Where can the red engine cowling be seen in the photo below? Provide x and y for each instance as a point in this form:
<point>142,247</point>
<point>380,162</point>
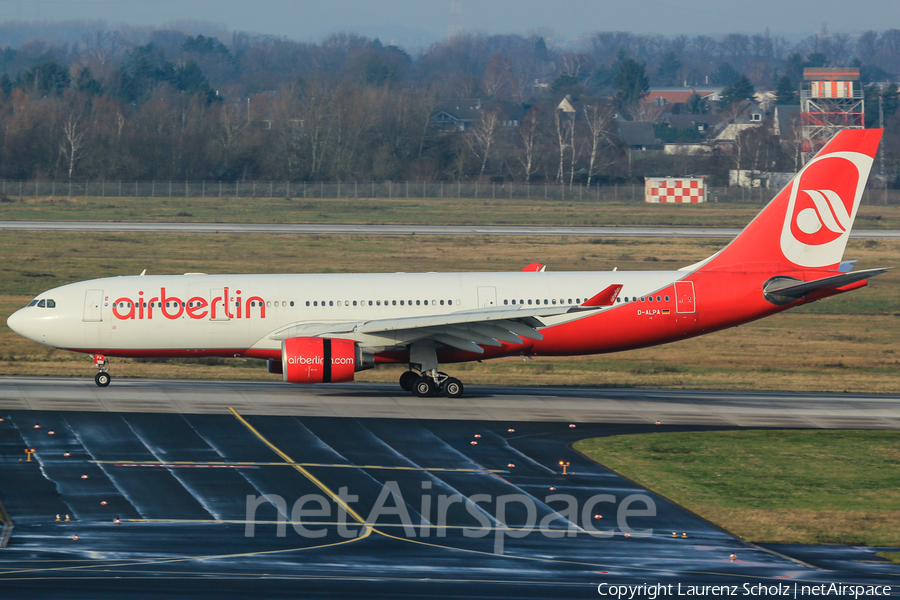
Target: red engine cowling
<point>321,360</point>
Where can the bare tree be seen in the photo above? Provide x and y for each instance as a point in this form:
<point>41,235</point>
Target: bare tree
<point>72,145</point>
<point>498,80</point>
<point>528,133</point>
<point>564,119</point>
<point>598,118</point>
<point>482,136</point>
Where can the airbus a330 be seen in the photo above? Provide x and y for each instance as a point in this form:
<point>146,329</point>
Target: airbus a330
<point>324,328</point>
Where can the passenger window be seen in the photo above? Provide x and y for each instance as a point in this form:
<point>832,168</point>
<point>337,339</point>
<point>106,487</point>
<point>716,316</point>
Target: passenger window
<point>649,298</point>
<point>331,303</point>
<point>667,298</point>
<point>292,302</point>
<point>393,303</point>
<point>657,299</point>
<point>529,302</point>
<point>442,302</point>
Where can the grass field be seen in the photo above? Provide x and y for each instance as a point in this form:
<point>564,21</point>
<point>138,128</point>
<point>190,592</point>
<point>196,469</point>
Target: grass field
<point>847,343</point>
<point>425,211</point>
<point>809,487</point>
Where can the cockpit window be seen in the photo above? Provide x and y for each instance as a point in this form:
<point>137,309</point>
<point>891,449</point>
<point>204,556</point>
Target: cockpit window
<point>51,303</point>
<point>33,303</point>
<point>42,304</point>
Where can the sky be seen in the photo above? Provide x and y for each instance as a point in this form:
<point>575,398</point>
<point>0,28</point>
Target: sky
<point>412,23</point>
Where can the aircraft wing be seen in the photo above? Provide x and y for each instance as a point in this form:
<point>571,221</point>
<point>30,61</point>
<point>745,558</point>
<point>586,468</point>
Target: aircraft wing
<point>464,330</point>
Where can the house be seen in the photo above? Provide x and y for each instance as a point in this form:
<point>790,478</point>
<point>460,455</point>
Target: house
<point>701,123</point>
<point>787,120</point>
<point>665,96</point>
<point>458,115</point>
<point>638,135</point>
<point>744,115</point>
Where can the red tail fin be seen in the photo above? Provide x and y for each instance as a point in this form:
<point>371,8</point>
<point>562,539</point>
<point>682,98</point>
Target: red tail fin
<point>808,223</point>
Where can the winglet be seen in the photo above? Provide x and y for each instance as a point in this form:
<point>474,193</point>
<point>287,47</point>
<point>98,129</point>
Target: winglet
<point>533,268</point>
<point>605,298</point>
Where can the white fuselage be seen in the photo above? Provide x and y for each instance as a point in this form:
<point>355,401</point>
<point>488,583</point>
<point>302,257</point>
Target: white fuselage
<point>130,313</point>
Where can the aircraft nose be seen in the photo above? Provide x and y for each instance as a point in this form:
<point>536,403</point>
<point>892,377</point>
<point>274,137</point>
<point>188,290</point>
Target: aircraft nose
<point>19,322</point>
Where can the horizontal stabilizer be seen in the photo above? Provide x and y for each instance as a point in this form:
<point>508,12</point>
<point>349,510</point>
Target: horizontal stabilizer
<point>534,268</point>
<point>784,290</point>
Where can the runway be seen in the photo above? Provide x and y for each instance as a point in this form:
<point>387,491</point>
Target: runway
<point>388,508</point>
<point>314,229</point>
<point>481,403</point>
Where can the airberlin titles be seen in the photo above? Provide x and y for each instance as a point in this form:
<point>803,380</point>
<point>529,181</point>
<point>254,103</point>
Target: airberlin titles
<point>172,307</point>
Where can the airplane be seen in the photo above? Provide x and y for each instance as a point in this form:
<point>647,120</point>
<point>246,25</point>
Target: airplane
<point>324,328</point>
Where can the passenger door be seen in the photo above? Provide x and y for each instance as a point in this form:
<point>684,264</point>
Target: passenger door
<point>685,301</point>
<point>217,305</point>
<point>93,306</point>
<point>487,297</point>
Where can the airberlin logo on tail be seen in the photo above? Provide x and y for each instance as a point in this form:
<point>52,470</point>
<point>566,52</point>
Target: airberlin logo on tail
<point>823,200</point>
<point>225,306</point>
<point>828,217</point>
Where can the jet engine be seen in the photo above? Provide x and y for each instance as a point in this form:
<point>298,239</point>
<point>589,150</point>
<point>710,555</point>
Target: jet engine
<point>322,360</point>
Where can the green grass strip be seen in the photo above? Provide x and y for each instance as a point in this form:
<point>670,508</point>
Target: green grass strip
<point>771,486</point>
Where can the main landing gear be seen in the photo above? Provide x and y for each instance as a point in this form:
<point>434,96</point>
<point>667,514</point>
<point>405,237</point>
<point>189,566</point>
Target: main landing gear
<point>102,378</point>
<point>431,383</point>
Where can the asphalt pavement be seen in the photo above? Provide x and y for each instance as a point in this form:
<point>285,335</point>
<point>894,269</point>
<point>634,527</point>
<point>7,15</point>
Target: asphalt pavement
<point>387,508</point>
<point>480,403</point>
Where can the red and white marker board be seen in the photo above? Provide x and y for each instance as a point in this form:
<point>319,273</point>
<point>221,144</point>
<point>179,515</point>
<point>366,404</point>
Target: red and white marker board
<point>674,189</point>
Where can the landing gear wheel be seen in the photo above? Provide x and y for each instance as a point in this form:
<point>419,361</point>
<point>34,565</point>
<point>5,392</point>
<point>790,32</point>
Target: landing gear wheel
<point>102,379</point>
<point>452,387</point>
<point>424,387</point>
<point>408,380</point>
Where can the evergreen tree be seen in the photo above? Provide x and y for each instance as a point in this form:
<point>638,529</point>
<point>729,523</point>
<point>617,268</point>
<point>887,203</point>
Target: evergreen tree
<point>631,84</point>
<point>793,67</point>
<point>48,79</point>
<point>740,90</point>
<point>696,105</point>
<point>726,74</point>
<point>540,50</point>
<point>87,83</point>
<point>667,71</point>
<point>816,59</point>
<point>785,92</point>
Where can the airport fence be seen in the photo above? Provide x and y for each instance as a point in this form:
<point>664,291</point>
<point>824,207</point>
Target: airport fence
<point>386,189</point>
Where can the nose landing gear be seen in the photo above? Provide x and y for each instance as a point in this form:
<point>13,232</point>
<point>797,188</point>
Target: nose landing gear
<point>102,378</point>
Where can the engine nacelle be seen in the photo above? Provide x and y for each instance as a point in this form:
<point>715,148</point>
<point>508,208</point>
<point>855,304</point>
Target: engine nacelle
<point>322,360</point>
